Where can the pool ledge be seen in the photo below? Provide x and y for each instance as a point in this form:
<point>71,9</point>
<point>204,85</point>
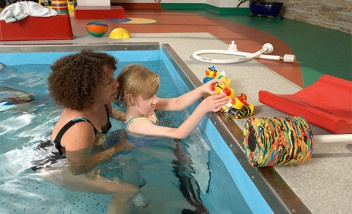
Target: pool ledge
<point>273,188</point>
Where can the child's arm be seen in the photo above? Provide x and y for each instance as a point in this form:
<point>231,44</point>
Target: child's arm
<point>184,101</point>
<point>210,104</point>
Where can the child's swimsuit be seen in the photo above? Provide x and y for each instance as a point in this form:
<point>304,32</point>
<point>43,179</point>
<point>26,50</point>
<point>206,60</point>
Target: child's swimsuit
<point>58,152</point>
<point>139,139</point>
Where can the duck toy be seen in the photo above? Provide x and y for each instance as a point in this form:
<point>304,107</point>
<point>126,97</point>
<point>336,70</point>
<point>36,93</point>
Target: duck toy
<point>212,73</point>
<point>240,108</point>
<point>219,88</point>
<point>237,107</point>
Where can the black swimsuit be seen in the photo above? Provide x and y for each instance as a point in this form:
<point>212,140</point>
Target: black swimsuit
<point>49,156</point>
<point>72,122</point>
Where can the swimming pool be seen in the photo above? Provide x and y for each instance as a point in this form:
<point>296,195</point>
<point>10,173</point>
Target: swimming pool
<point>232,186</point>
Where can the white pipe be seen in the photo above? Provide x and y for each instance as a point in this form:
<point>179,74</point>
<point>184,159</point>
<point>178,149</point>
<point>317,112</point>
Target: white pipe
<point>232,50</point>
<point>335,138</point>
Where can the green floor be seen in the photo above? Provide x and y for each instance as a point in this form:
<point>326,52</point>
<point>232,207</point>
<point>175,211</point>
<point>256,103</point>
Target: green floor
<point>319,50</point>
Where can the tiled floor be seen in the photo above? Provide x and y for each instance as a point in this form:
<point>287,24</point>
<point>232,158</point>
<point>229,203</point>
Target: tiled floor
<point>328,53</point>
<point>247,39</point>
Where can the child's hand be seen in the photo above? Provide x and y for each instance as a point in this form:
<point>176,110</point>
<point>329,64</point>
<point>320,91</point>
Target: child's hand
<point>214,103</point>
<point>207,87</point>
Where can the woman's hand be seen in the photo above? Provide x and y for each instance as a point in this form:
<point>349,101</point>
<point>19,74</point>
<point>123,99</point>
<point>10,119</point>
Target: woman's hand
<point>118,115</point>
<point>121,146</point>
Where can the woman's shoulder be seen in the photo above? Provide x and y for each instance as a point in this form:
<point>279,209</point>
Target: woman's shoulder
<point>72,126</point>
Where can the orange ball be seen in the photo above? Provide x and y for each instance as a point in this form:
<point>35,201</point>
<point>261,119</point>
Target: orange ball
<point>97,29</point>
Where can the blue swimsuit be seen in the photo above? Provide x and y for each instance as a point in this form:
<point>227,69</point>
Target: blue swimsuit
<point>139,139</point>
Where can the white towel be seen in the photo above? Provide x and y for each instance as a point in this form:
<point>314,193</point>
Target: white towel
<point>21,10</point>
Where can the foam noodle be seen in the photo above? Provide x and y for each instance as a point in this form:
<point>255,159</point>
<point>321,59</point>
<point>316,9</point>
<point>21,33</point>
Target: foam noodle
<point>277,141</point>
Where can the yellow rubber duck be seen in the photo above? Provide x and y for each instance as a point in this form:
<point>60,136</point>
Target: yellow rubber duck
<point>240,108</point>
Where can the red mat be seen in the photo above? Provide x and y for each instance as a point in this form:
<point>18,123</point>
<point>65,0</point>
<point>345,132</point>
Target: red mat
<point>326,103</point>
<point>37,28</point>
<point>96,12</point>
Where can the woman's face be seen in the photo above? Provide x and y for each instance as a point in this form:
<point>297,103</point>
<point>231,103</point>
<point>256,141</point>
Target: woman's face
<point>107,91</point>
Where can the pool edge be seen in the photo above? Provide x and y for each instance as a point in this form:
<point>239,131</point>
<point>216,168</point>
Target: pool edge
<point>276,192</point>
<point>79,47</point>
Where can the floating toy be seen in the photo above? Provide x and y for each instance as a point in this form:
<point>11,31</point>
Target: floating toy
<point>119,33</point>
<point>237,107</point>
<point>97,29</point>
<point>10,98</point>
<point>244,56</point>
<point>6,106</point>
<point>282,141</point>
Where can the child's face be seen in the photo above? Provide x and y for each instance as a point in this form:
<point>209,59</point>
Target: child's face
<point>146,106</point>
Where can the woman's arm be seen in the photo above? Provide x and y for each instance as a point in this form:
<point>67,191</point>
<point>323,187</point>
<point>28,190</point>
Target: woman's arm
<point>100,157</point>
<point>79,165</point>
<point>79,140</point>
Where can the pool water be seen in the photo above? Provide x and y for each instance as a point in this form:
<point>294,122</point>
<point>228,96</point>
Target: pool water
<point>168,170</point>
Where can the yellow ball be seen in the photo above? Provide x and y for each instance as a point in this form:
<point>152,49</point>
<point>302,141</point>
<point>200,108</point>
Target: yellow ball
<point>119,33</point>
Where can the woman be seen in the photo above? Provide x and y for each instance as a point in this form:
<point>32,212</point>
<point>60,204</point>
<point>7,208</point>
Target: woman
<point>84,85</point>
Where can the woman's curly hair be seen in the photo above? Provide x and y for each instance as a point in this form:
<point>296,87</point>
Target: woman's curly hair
<point>75,78</point>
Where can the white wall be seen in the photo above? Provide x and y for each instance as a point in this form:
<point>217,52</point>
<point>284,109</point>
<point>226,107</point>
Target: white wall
<point>224,3</point>
<point>93,3</point>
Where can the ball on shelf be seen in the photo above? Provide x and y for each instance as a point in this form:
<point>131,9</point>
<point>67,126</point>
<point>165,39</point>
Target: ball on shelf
<point>97,29</point>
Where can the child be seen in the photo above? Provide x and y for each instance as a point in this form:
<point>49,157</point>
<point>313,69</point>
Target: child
<point>137,92</point>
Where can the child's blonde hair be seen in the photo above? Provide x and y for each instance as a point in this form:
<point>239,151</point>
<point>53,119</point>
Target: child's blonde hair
<point>135,80</point>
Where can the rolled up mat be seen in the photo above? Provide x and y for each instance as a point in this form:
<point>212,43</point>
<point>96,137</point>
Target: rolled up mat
<point>278,141</point>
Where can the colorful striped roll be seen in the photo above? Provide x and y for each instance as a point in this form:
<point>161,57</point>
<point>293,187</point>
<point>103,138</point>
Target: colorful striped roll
<point>277,141</point>
<point>60,6</point>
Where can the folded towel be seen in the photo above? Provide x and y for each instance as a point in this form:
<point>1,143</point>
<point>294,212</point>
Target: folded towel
<point>21,10</point>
